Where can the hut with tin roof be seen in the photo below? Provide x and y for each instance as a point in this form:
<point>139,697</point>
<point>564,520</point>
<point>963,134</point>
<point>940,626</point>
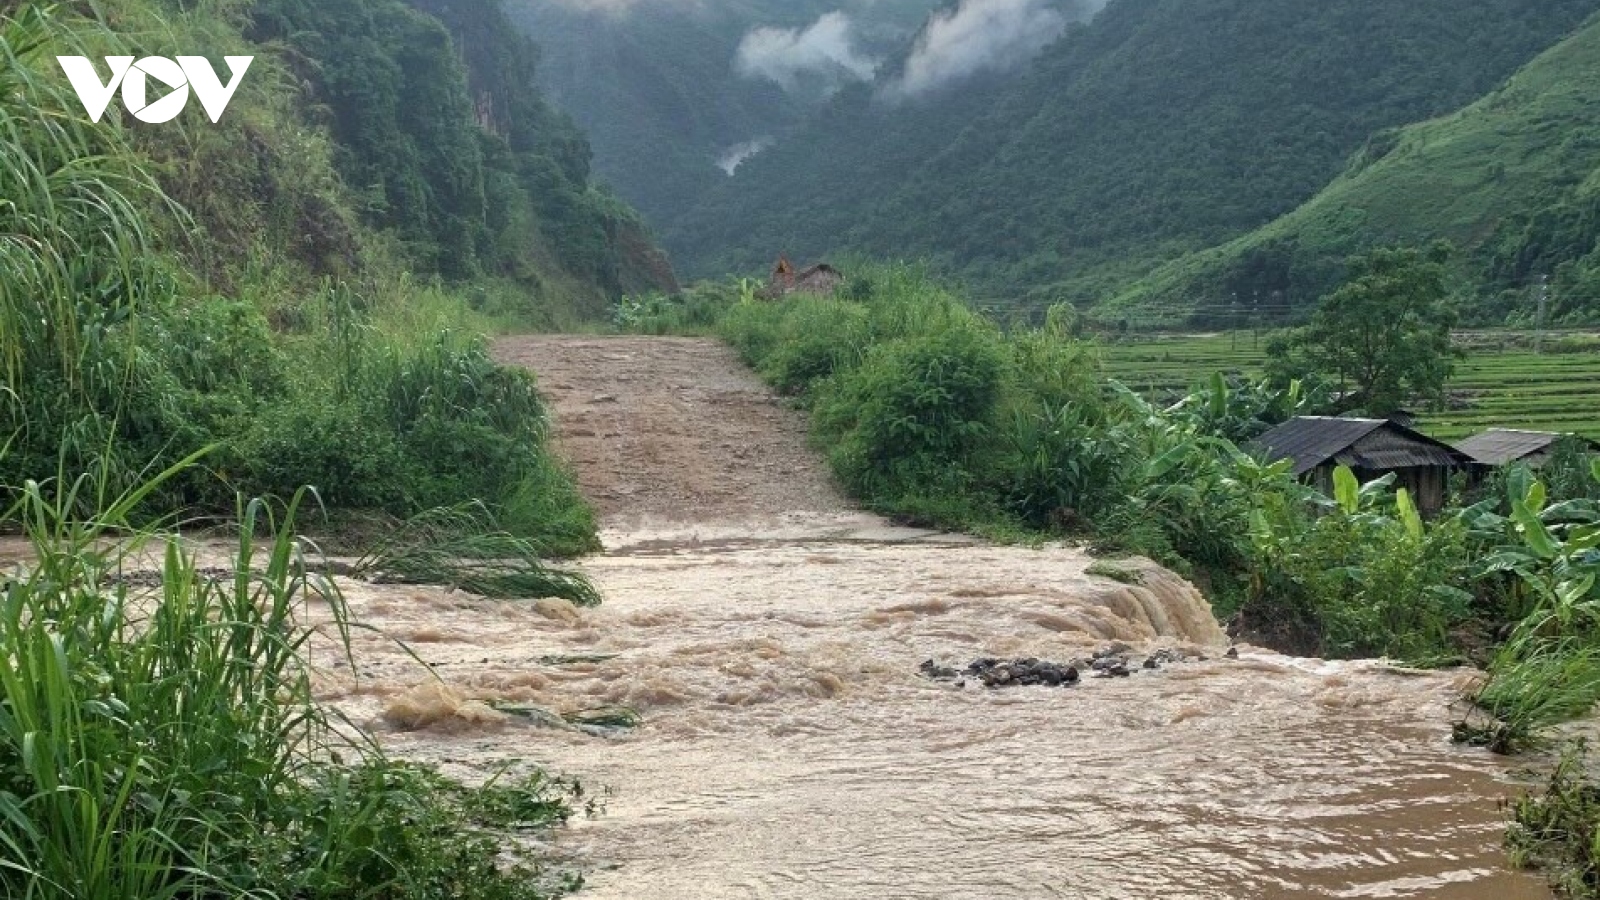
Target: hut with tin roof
<point>1371,448</point>
<point>1504,446</point>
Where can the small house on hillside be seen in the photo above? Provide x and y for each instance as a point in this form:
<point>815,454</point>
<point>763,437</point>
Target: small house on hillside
<point>1371,448</point>
<point>818,279</point>
<point>1504,446</point>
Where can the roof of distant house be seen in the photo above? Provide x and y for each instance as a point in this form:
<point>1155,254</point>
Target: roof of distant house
<point>1499,446</point>
<point>1372,444</point>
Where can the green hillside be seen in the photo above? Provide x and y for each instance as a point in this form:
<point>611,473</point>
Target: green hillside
<point>655,88</point>
<point>1513,180</point>
<point>467,164</point>
<point>1161,127</point>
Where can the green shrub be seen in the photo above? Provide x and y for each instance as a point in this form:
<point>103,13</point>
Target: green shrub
<point>341,449</point>
<point>1059,468</point>
<point>907,420</point>
<point>696,310</point>
<point>1364,573</point>
<point>752,330</point>
<point>817,338</point>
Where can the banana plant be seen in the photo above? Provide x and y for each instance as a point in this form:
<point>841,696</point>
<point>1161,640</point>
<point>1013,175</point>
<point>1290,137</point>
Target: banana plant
<point>1557,554</point>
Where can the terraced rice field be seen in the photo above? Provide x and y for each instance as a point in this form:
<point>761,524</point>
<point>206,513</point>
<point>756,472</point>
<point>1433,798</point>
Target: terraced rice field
<point>1501,383</point>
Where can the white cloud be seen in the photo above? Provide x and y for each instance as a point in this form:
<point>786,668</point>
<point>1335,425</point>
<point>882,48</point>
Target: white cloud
<point>981,35</point>
<point>732,158</point>
<point>824,50</point>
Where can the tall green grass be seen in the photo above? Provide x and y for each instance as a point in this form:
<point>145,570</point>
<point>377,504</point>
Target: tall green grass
<point>72,227</point>
<point>166,743</point>
<point>119,350</point>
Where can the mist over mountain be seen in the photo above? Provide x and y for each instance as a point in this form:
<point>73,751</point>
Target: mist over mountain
<point>674,94</point>
<point>981,36</point>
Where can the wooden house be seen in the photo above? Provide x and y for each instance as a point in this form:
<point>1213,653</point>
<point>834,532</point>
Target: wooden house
<point>820,279</point>
<point>1371,448</point>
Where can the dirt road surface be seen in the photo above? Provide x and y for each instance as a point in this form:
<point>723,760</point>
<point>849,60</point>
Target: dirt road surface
<point>675,431</point>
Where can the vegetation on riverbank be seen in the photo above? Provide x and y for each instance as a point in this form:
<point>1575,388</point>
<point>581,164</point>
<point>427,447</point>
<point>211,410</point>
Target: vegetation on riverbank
<point>194,314</point>
<point>1559,828</point>
<point>196,285</point>
<point>931,413</point>
<point>163,742</point>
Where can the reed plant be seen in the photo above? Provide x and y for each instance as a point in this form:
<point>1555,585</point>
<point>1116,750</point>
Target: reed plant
<point>165,742</point>
<point>463,547</point>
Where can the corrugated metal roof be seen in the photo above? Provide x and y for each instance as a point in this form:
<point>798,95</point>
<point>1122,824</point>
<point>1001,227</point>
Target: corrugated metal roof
<point>1499,446</point>
<point>1379,444</point>
<point>1312,440</point>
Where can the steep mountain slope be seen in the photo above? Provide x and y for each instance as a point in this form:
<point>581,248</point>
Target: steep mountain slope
<point>1161,126</point>
<point>448,144</point>
<point>1513,180</point>
<point>656,86</point>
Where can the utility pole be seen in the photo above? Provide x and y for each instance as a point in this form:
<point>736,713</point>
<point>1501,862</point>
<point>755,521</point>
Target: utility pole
<point>1255,321</point>
<point>1544,303</point>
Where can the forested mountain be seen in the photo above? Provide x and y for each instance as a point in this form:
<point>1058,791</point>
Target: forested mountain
<point>468,164</point>
<point>1512,180</point>
<point>1157,128</point>
<point>659,90</point>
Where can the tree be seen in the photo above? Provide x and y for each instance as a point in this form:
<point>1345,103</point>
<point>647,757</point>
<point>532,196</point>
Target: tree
<point>1383,337</point>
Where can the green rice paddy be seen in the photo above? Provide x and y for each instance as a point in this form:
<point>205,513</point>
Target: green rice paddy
<point>1502,383</point>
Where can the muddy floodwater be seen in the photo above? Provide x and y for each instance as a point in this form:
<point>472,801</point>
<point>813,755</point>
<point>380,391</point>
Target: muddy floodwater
<point>791,749</point>
<point>770,637</point>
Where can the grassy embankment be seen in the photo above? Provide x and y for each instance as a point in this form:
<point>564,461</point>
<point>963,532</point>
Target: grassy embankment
<point>193,285</point>
<point>164,743</point>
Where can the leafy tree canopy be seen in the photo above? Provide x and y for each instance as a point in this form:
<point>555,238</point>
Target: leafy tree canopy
<point>1383,336</point>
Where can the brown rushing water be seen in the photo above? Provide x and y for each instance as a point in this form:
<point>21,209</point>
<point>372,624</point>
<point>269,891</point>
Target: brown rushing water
<point>790,748</point>
<point>770,637</point>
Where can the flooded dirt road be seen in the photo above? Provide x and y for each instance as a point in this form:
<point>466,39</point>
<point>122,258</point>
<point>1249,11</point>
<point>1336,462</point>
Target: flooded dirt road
<point>770,637</point>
